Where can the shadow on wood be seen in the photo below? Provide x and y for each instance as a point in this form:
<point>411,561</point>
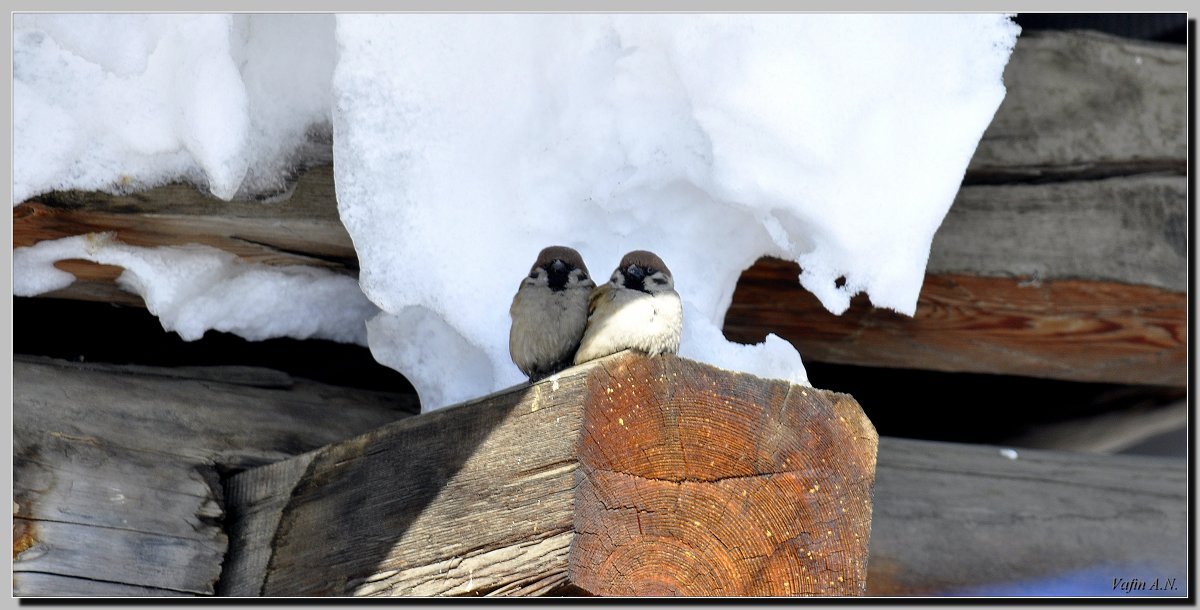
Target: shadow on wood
<point>116,469</point>
<point>951,519</point>
<point>626,476</point>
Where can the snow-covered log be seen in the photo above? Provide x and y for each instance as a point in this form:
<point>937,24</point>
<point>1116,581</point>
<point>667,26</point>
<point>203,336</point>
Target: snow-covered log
<point>1064,256</point>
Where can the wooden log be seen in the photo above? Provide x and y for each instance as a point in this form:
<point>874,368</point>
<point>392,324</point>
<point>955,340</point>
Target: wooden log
<point>1082,281</point>
<point>625,476</point>
<point>951,519</point>
<point>116,469</point>
<point>1085,105</point>
<point>1066,329</point>
<point>301,229</point>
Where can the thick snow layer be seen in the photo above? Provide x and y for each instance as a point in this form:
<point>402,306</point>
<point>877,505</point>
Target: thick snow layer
<point>121,102</point>
<point>463,144</point>
<point>466,143</point>
<point>196,288</point>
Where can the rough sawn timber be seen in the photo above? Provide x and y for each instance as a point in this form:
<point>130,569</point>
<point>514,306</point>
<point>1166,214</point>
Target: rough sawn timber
<point>117,469</point>
<point>625,476</point>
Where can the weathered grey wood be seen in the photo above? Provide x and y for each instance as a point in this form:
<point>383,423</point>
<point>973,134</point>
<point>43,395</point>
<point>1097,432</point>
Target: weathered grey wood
<point>952,517</point>
<point>123,556</point>
<point>116,468</point>
<point>53,585</point>
<point>1123,230</point>
<point>1084,104</point>
<point>399,510</point>
<point>561,484</point>
<point>253,510</point>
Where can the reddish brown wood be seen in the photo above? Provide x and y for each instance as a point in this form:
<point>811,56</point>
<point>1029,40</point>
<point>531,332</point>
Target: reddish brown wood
<point>695,481</point>
<point>1068,329</point>
<point>272,241</point>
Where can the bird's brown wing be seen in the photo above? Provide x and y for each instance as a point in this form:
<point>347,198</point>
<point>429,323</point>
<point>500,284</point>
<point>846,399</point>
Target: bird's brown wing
<point>603,291</point>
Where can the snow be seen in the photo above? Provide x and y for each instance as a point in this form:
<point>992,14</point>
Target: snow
<point>463,144</point>
<point>120,103</point>
<point>196,288</point>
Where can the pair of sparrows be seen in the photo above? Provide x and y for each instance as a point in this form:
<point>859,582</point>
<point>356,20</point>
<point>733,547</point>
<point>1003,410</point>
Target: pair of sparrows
<point>560,317</point>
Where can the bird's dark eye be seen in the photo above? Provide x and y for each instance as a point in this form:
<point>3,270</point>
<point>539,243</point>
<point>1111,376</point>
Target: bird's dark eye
<point>582,276</point>
<point>533,275</point>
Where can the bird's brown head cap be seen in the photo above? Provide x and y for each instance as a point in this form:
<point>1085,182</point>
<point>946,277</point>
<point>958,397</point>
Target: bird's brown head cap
<point>648,261</point>
<point>567,255</point>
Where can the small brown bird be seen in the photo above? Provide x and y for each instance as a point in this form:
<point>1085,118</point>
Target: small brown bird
<point>637,308</point>
<point>549,312</point>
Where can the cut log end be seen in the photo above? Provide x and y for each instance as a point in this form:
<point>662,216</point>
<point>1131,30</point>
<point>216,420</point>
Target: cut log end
<point>695,481</point>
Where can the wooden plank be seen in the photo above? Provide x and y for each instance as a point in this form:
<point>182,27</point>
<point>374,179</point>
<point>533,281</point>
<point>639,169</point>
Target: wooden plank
<point>54,585</point>
<point>628,475</point>
<point>1124,230</point>
<point>1084,105</point>
<point>117,469</point>
<point>122,556</point>
<point>952,518</point>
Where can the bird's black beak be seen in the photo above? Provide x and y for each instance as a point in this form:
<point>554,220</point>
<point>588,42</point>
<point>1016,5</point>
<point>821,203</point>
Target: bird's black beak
<point>635,277</point>
<point>557,272</point>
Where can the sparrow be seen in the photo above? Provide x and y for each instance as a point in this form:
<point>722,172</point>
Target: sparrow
<point>637,308</point>
<point>549,312</point>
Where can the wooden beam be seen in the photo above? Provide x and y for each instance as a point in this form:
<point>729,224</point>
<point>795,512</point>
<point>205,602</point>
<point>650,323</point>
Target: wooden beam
<point>956,519</point>
<point>1082,281</point>
<point>1084,105</point>
<point>625,476</point>
<point>1063,329</point>
<point>116,469</point>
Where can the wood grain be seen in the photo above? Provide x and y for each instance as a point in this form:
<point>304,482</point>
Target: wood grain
<point>393,511</point>
<point>695,481</point>
<point>37,584</point>
<point>953,518</point>
<point>1065,329</point>
<point>624,476</point>
<point>116,469</point>
<point>1084,105</point>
